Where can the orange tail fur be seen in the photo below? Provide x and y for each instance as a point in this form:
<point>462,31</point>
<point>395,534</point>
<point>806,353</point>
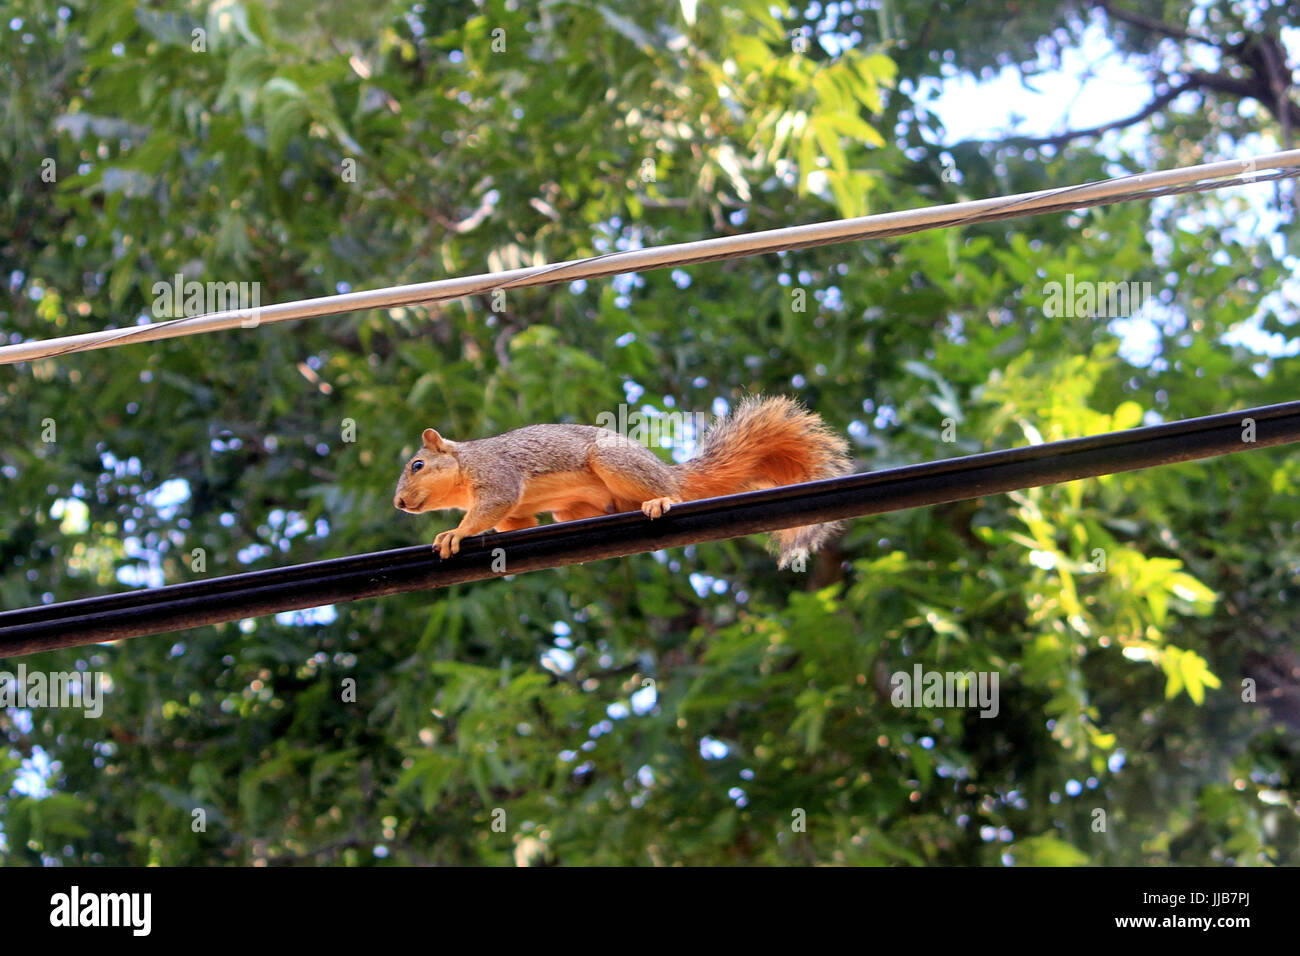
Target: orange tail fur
<point>763,443</point>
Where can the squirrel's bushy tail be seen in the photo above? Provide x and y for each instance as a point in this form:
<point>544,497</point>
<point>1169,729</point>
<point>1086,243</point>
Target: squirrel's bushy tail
<point>766,442</point>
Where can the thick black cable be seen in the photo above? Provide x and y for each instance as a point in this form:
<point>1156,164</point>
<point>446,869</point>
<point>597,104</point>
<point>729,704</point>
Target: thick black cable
<point>239,596</point>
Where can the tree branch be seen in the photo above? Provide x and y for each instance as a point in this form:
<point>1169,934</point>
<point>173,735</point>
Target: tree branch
<point>1151,25</point>
<point>1267,79</point>
<point>1257,90</point>
<point>1157,104</point>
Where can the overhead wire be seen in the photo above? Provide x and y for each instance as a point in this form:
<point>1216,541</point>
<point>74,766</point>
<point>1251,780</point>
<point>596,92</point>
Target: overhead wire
<point>239,596</point>
<point>251,594</point>
<point>1218,175</point>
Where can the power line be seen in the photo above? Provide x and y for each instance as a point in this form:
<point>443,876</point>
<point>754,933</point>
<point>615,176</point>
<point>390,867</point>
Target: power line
<point>1218,175</point>
<point>239,596</point>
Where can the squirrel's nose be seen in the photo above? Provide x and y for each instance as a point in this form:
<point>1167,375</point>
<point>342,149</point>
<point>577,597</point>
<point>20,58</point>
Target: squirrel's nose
<point>400,502</point>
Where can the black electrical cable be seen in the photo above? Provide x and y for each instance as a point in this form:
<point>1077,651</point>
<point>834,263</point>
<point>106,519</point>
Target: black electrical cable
<point>239,596</point>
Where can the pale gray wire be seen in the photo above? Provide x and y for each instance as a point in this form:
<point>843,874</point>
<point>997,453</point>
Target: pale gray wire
<point>1284,165</point>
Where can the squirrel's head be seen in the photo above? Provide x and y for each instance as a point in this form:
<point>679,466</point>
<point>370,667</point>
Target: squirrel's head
<point>430,480</point>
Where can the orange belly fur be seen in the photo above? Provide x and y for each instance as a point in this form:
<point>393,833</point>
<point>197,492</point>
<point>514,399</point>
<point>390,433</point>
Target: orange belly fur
<point>562,490</point>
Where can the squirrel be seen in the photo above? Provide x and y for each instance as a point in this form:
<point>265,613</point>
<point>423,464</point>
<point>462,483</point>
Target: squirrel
<point>583,471</point>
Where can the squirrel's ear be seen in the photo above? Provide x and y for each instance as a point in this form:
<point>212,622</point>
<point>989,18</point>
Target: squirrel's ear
<point>435,442</point>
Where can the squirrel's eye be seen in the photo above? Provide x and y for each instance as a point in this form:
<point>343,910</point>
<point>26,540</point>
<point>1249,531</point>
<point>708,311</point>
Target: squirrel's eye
<point>416,465</point>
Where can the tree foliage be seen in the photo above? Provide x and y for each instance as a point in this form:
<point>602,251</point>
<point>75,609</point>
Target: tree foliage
<point>694,706</point>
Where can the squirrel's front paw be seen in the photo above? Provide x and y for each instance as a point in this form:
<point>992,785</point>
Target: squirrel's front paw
<point>656,507</point>
<point>447,543</point>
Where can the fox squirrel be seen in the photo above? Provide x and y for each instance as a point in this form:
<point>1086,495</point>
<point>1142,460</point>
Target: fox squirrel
<point>582,471</point>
